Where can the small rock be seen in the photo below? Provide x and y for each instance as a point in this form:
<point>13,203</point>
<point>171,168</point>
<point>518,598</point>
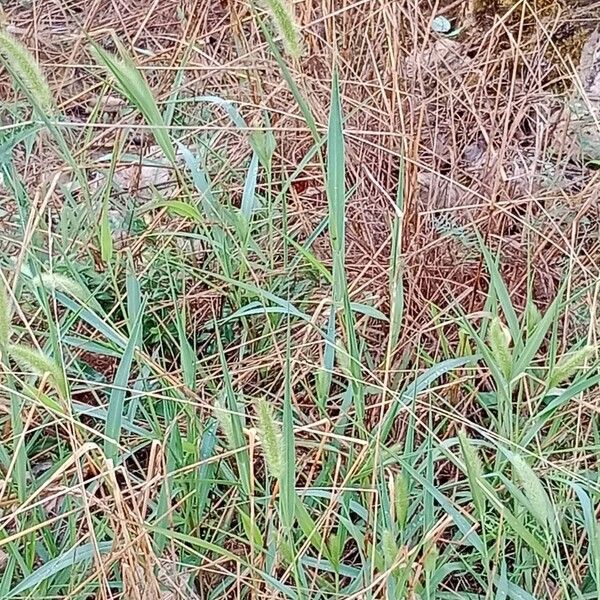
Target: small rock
<point>441,25</point>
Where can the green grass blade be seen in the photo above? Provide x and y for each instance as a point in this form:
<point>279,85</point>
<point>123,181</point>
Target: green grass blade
<point>336,195</point>
<point>235,421</point>
<point>116,401</point>
<point>502,293</point>
<point>288,471</point>
<point>592,528</point>
<point>249,202</point>
<point>135,88</point>
<point>71,558</point>
<point>535,340</point>
<point>421,383</point>
<point>302,103</point>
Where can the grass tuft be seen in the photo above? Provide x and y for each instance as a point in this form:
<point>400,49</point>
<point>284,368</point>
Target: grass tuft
<point>304,329</point>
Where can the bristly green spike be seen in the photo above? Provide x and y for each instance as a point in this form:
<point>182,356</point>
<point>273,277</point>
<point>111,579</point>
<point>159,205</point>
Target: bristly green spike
<point>19,61</point>
<point>270,435</point>
<point>282,15</point>
<point>5,318</point>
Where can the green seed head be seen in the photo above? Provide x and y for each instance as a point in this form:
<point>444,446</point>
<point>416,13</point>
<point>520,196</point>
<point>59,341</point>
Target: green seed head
<point>389,547</point>
<point>223,417</point>
<point>570,364</point>
<point>270,436</point>
<point>39,364</point>
<point>62,283</point>
<point>499,339</point>
<point>21,64</point>
<point>282,15</point>
<point>5,317</point>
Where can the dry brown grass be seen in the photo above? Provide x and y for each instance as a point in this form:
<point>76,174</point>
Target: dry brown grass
<point>472,116</point>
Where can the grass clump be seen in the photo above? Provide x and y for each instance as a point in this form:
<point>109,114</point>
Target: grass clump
<point>210,390</point>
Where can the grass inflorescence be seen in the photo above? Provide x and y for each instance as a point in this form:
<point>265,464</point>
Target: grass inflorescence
<point>282,15</point>
<point>28,76</point>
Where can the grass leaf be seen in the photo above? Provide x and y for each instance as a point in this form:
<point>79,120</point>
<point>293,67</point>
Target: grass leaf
<point>336,196</point>
<point>119,389</point>
<point>503,294</point>
<point>135,88</point>
<point>75,556</point>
